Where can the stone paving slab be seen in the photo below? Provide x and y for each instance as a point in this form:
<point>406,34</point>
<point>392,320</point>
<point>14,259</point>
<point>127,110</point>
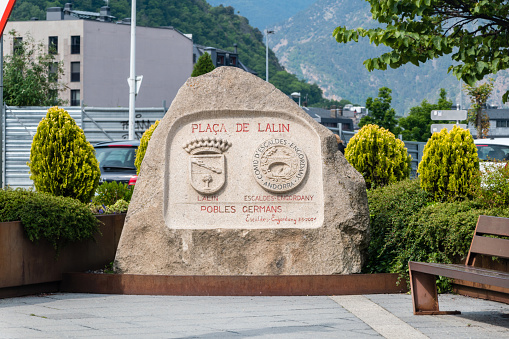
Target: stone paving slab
<point>70,315</point>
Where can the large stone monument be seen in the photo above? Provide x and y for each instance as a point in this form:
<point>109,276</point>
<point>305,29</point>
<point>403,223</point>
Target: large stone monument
<point>238,180</point>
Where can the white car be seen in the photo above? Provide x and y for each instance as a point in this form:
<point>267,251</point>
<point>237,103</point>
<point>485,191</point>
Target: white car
<point>494,149</point>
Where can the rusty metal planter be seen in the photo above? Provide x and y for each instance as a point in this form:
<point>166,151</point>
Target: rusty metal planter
<point>24,263</point>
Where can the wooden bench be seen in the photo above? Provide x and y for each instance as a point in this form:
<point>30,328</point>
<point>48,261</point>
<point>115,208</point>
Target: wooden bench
<point>423,275</point>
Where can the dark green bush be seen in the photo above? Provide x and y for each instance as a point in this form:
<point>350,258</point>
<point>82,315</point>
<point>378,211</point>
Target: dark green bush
<point>390,208</point>
<point>109,193</point>
<point>59,220</point>
<point>407,225</point>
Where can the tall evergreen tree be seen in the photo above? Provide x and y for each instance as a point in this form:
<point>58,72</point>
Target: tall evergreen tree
<point>203,65</point>
<point>417,125</point>
<point>380,111</point>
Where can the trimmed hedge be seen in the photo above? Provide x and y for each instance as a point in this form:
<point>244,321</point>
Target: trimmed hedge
<point>381,158</point>
<point>407,225</point>
<point>62,161</point>
<point>59,220</point>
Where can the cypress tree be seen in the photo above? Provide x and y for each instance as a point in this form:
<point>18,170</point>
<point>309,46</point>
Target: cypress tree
<point>62,161</point>
<point>203,65</point>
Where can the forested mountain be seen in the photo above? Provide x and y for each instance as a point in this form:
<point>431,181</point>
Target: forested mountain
<point>264,14</point>
<point>210,26</point>
<point>305,46</point>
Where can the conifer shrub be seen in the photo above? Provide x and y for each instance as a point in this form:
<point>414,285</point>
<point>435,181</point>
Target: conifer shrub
<point>62,161</point>
<point>449,164</point>
<point>378,156</point>
<point>203,65</point>
<point>145,138</point>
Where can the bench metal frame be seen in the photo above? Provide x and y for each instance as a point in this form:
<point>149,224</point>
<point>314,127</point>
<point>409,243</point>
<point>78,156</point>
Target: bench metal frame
<point>423,275</point>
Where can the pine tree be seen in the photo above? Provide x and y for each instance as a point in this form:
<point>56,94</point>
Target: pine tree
<point>203,65</point>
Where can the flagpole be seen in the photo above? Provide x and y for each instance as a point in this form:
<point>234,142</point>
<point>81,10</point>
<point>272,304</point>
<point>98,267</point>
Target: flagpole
<point>132,73</point>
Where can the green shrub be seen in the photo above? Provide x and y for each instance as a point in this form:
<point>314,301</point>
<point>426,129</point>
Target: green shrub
<point>379,156</point>
<point>108,193</point>
<point>120,206</point>
<point>59,220</point>
<point>442,233</point>
<point>494,188</point>
<point>62,162</point>
<point>449,164</point>
<point>390,208</point>
<point>406,224</point>
<point>140,152</point>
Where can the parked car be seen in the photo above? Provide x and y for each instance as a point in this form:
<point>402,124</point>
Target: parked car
<point>116,160</point>
<point>494,149</point>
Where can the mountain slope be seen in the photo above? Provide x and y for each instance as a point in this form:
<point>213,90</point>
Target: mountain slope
<point>265,13</point>
<point>211,26</point>
<point>305,46</point>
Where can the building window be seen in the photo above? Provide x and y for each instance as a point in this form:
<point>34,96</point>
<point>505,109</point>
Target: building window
<point>53,45</point>
<point>502,123</point>
<point>75,71</point>
<point>75,97</point>
<point>53,94</point>
<point>75,44</point>
<point>53,72</point>
<point>233,61</point>
<point>220,60</point>
<point>17,45</point>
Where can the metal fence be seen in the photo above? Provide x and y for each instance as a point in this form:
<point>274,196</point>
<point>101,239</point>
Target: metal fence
<point>99,124</point>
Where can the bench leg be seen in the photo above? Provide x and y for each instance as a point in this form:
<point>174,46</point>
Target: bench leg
<point>424,294</point>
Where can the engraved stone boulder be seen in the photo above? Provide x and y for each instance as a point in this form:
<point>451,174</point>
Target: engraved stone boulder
<point>239,180</point>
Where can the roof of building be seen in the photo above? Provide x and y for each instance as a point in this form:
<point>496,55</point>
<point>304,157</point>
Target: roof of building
<point>200,49</point>
<point>315,112</point>
<point>498,114</point>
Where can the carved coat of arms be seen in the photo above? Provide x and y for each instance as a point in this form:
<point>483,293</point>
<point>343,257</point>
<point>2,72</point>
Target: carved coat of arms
<point>207,170</point>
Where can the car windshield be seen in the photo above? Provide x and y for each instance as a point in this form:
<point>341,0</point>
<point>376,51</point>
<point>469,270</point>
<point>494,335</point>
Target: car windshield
<point>492,152</point>
<point>116,157</point>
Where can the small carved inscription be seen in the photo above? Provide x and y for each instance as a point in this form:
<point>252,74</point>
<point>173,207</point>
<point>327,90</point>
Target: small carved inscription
<point>279,165</point>
<point>207,164</point>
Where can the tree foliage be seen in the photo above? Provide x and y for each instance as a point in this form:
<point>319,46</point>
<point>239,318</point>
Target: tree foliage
<point>31,75</point>
<point>203,65</point>
<point>474,33</point>
<point>378,156</point>
<point>142,149</point>
<point>477,113</point>
<point>417,125</point>
<point>62,161</point>
<point>380,112</point>
<point>449,164</point>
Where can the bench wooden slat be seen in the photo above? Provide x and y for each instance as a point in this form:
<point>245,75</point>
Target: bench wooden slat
<point>422,275</point>
<point>462,272</point>
<point>490,246</point>
<point>492,225</point>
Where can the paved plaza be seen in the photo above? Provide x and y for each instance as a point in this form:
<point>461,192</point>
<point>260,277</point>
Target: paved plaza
<point>70,315</point>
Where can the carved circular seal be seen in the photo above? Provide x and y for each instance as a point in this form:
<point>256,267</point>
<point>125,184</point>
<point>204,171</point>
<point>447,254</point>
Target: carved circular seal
<point>279,165</point>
